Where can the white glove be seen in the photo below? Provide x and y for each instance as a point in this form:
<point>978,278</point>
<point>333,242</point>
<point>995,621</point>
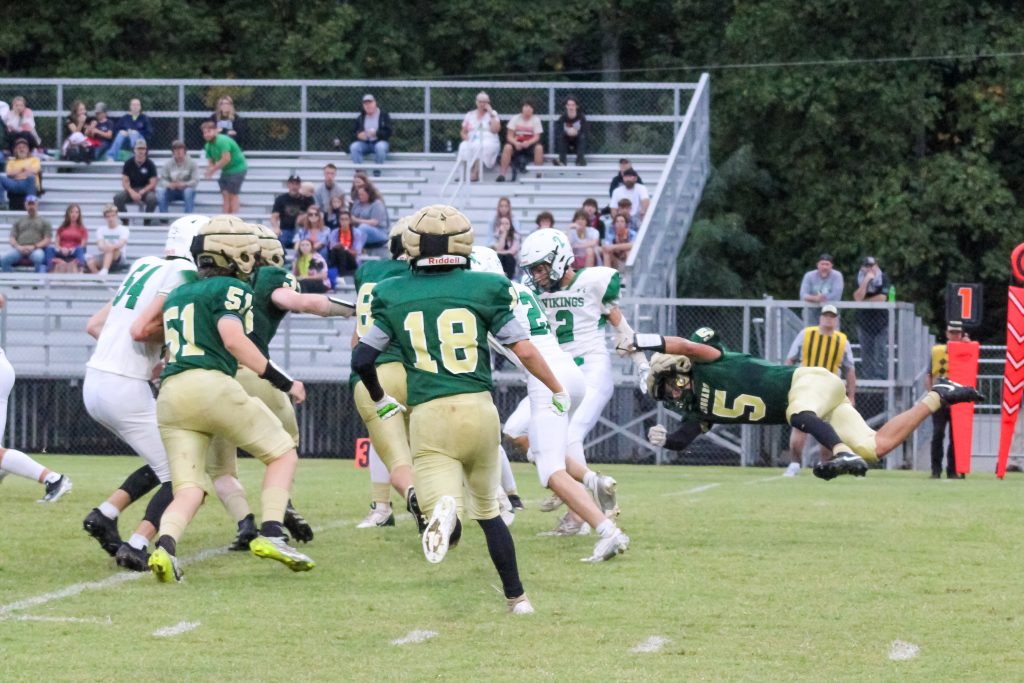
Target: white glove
<point>657,435</point>
<point>560,403</point>
<point>643,371</point>
<point>388,407</point>
<point>624,338</point>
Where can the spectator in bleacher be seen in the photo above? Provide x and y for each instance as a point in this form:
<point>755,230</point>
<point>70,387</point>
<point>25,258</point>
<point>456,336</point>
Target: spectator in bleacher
<point>129,129</point>
<point>20,122</point>
<point>67,255</point>
<point>571,134</point>
<point>111,244</point>
<point>625,207</point>
<point>223,154</point>
<point>138,181</point>
<point>618,244</point>
<point>522,142</point>
<point>480,142</point>
<point>504,210</point>
<point>545,220</point>
<point>30,236</point>
<point>820,286</point>
<point>314,230</point>
<point>584,240</point>
<point>102,131</point>
<point>77,116</point>
<point>178,180</point>
<point>593,211</point>
<point>370,217</point>
<point>228,122</point>
<point>307,189</point>
<point>332,215</point>
<point>624,165</point>
<point>77,145</point>
<point>342,257</point>
<point>24,175</point>
<point>506,246</point>
<point>287,208</point>
<point>310,269</point>
<point>370,133</point>
<point>328,190</point>
<point>633,190</point>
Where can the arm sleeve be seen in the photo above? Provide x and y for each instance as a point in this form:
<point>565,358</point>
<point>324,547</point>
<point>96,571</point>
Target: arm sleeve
<point>805,287</point>
<point>684,436</point>
<point>610,298</point>
<point>376,338</point>
<point>847,358</point>
<point>384,128</point>
<point>357,127</point>
<point>193,174</point>
<point>510,333</point>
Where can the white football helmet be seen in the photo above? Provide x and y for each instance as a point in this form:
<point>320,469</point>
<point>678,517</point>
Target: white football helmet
<point>545,247</point>
<point>485,260</point>
<point>181,233</point>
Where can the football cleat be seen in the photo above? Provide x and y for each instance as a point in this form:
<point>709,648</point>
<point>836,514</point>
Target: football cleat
<point>792,470</point>
<point>56,490</point>
<point>164,566</point>
<point>246,532</point>
<point>412,504</point>
<point>609,547</point>
<point>439,529</point>
<point>380,515</point>
<point>568,525</point>
<point>104,530</point>
<point>520,605</point>
<point>551,503</point>
<point>604,495</point>
<point>277,548</point>
<point>297,525</point>
<point>848,463</point>
<point>505,509</point>
<point>516,501</point>
<point>951,393</point>
<point>133,559</point>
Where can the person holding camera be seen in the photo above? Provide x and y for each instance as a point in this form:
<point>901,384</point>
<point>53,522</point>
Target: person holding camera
<point>872,324</point>
<point>480,143</point>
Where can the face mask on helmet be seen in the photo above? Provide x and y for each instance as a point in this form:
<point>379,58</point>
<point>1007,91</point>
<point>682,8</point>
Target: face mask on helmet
<point>671,386</point>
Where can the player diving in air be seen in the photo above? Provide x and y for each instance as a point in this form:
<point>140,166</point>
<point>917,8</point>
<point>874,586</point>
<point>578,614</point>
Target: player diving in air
<point>705,383</point>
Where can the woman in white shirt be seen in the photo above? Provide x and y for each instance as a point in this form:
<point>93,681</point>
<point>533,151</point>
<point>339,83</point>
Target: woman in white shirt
<point>480,142</point>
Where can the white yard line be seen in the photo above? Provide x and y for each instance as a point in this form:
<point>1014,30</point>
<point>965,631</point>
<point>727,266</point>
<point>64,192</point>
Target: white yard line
<point>416,636</point>
<point>764,479</point>
<point>652,644</point>
<point>901,651</point>
<point>696,489</point>
<point>177,629</point>
<point>104,621</point>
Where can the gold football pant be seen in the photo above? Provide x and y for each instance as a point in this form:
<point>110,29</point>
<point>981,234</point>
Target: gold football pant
<point>824,394</point>
<point>390,438</point>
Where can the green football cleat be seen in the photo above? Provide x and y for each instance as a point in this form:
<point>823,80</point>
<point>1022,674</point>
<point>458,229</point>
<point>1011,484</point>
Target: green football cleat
<point>277,548</point>
<point>164,566</point>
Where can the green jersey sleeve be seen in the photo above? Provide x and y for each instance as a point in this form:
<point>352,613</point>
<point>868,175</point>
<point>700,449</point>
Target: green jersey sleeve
<point>267,316</point>
<point>611,293</point>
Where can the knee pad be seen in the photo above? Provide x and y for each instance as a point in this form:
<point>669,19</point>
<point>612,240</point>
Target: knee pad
<point>140,482</point>
<point>807,421</point>
<point>158,503</point>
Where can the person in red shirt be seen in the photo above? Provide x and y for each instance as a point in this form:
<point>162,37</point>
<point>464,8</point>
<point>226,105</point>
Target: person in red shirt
<point>68,252</point>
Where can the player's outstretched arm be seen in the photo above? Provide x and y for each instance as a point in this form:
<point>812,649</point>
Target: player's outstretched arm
<point>698,353</point>
<point>148,326</point>
<point>318,304</point>
<point>98,320</point>
<point>232,334</point>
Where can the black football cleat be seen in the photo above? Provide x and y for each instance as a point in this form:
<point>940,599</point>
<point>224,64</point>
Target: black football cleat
<point>297,525</point>
<point>412,504</point>
<point>246,532</point>
<point>516,501</point>
<point>104,530</point>
<point>841,464</point>
<point>133,559</point>
<point>951,393</point>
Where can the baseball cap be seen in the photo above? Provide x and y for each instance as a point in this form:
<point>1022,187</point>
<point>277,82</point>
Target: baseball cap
<point>177,144</point>
<point>141,142</point>
<point>294,178</point>
<point>101,107</point>
<point>368,98</point>
<point>829,309</point>
<point>31,198</point>
<point>825,256</point>
<point>869,261</point>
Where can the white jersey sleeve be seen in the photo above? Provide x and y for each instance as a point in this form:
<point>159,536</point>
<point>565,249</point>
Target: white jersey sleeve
<point>579,312</point>
<point>115,351</point>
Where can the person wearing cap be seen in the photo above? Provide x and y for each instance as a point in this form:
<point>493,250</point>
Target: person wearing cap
<point>287,209</point>
<point>820,286</point>
<point>138,181</point>
<point>872,324</point>
<point>941,424</point>
<point>129,129</point>
<point>30,236</point>
<point>634,191</point>
<point>178,180</point>
<point>21,177</point>
<point>224,155</point>
<point>102,130</point>
<point>370,133</point>
<point>820,346</point>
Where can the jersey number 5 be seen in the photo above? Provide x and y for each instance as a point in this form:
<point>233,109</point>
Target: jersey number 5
<point>456,333</point>
<point>739,407</point>
<point>179,324</point>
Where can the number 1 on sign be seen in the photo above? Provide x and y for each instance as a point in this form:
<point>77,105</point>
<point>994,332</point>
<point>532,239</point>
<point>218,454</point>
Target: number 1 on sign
<point>966,295</point>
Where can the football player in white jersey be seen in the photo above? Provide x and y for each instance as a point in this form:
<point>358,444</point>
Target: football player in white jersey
<point>15,462</point>
<point>117,391</point>
<point>549,432</point>
<point>579,304</point>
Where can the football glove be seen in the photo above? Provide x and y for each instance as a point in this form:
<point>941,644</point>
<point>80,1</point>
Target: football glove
<point>643,371</point>
<point>560,403</point>
<point>657,435</point>
<point>624,337</point>
<point>387,407</point>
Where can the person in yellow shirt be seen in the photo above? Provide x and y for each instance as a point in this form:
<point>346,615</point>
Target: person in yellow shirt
<point>940,419</point>
<point>823,346</point>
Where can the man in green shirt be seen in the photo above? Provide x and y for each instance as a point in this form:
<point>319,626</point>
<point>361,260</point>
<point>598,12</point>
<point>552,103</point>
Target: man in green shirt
<point>30,235</point>
<point>225,156</point>
<point>706,384</point>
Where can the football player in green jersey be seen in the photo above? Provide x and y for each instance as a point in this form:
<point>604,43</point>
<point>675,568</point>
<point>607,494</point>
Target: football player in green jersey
<point>276,292</point>
<point>439,317</point>
<point>206,323</point>
<point>390,458</point>
<point>707,384</point>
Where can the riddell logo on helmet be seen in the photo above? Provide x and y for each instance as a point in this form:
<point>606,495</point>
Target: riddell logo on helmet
<point>446,260</point>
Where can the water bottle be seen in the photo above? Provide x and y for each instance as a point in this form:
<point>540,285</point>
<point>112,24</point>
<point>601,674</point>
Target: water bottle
<point>892,293</point>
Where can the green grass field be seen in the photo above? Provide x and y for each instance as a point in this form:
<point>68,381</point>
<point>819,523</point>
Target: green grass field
<point>733,574</point>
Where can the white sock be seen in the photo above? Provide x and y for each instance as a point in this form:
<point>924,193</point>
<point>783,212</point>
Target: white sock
<point>590,479</point>
<point>138,541</point>
<point>108,510</point>
<point>606,528</point>
<point>21,465</point>
<point>52,477</point>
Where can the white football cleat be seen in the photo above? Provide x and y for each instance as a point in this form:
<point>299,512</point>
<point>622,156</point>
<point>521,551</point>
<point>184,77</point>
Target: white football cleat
<point>439,529</point>
<point>793,470</point>
<point>568,525</point>
<point>505,509</point>
<point>550,503</point>
<point>520,605</point>
<point>609,547</point>
<point>380,515</point>
<point>604,495</point>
